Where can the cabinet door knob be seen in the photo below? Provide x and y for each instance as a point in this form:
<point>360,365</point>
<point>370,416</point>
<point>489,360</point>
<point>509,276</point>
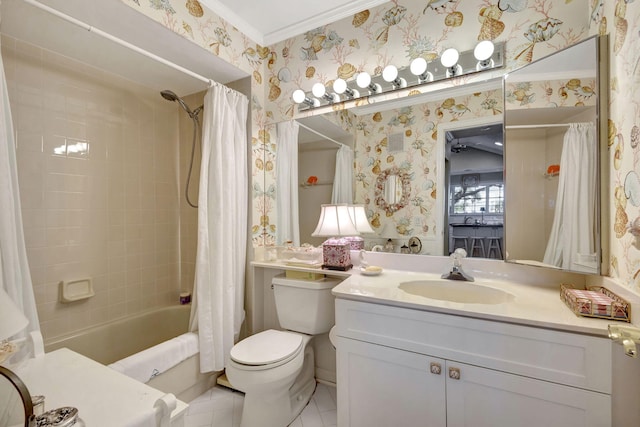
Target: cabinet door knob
<point>454,373</point>
<point>435,368</point>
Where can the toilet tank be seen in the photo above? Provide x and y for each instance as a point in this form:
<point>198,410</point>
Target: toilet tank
<point>305,306</point>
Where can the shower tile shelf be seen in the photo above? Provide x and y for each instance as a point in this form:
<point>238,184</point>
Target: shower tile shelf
<point>76,290</point>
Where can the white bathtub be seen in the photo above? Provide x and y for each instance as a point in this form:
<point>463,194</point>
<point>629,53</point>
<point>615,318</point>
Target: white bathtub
<point>113,341</point>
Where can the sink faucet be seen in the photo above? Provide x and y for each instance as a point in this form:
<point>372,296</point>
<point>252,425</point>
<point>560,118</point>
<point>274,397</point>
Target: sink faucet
<point>456,272</point>
<point>466,219</point>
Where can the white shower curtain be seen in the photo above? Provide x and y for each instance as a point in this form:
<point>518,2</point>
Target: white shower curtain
<point>573,227</point>
<point>217,312</point>
<point>287,222</point>
<point>343,178</point>
<point>15,277</point>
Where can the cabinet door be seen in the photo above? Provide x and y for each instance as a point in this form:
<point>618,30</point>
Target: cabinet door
<point>479,397</point>
<point>385,387</point>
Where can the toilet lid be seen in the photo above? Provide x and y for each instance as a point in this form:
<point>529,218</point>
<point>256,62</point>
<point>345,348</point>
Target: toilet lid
<point>265,348</point>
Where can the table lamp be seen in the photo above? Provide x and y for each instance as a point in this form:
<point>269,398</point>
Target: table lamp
<point>12,321</point>
<point>336,223</point>
<point>359,218</point>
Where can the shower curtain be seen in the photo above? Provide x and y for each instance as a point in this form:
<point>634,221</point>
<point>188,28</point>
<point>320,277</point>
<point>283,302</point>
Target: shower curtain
<point>343,178</point>
<point>15,277</point>
<point>217,312</point>
<point>572,232</point>
<point>287,223</point>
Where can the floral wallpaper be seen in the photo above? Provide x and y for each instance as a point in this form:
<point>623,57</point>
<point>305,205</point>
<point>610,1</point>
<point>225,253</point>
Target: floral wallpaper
<point>573,92</point>
<point>417,126</point>
<point>400,30</point>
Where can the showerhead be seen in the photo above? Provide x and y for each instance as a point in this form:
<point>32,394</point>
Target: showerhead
<point>171,96</point>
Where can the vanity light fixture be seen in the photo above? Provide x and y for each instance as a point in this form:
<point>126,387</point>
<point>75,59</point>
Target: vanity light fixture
<point>340,87</point>
<point>418,68</point>
<point>390,75</point>
<point>449,60</point>
<point>299,97</point>
<point>484,57</point>
<point>483,52</point>
<point>319,91</point>
<point>364,82</point>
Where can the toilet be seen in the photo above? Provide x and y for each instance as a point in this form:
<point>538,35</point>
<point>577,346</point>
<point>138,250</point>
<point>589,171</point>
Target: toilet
<point>275,368</point>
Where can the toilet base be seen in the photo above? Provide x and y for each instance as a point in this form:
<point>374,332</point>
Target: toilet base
<point>280,409</point>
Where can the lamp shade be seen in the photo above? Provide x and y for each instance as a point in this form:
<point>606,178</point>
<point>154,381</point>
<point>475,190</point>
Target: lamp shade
<point>359,218</point>
<point>12,320</point>
<point>335,221</point>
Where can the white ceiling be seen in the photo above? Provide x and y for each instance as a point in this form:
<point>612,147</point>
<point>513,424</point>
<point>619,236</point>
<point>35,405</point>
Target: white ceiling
<point>272,21</point>
<point>266,22</point>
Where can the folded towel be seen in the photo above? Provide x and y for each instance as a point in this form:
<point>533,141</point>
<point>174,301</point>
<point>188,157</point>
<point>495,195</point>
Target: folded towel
<point>155,360</point>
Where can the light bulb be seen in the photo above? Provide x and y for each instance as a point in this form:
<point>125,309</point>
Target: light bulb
<point>298,96</point>
<point>449,57</point>
<point>340,86</point>
<point>390,73</point>
<point>484,50</point>
<point>418,66</point>
<point>318,90</point>
<point>363,80</point>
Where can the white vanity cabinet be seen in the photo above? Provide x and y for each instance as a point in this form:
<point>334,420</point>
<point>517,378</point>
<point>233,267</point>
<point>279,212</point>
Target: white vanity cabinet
<point>404,367</point>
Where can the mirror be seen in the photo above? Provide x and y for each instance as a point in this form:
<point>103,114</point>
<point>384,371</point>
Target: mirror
<point>393,188</point>
<point>16,409</point>
<point>552,127</point>
<point>407,139</point>
<point>412,134</point>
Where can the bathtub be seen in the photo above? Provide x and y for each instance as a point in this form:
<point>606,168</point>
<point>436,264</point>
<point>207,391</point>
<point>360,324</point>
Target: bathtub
<point>113,341</point>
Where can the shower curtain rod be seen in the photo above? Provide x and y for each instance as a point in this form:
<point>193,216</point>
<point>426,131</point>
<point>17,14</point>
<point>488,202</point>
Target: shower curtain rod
<point>320,134</point>
<point>115,39</point>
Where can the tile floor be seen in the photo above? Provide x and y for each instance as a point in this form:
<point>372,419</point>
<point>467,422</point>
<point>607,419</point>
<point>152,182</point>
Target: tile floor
<point>222,407</point>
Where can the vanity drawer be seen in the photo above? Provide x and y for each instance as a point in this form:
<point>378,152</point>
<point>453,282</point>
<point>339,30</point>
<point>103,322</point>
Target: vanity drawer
<point>562,357</point>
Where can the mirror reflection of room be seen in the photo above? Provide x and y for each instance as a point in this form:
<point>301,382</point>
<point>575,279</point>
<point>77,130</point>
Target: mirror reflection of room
<point>474,158</point>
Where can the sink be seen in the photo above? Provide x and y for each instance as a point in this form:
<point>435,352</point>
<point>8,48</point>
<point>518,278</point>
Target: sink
<point>456,291</point>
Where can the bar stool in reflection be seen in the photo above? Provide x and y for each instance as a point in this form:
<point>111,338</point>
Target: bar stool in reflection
<point>477,245</point>
<point>460,242</point>
<point>494,243</point>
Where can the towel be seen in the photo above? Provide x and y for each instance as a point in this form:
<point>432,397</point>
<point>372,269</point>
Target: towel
<point>155,360</point>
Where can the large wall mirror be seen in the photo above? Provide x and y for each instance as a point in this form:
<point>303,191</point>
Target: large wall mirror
<point>552,160</point>
<point>449,146</point>
<point>410,156</point>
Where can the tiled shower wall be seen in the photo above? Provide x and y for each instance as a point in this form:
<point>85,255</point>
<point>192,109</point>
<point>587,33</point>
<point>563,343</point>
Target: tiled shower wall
<point>98,164</point>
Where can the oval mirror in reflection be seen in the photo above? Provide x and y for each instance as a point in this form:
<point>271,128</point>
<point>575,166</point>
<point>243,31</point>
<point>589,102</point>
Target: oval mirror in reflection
<point>16,408</point>
<point>393,188</point>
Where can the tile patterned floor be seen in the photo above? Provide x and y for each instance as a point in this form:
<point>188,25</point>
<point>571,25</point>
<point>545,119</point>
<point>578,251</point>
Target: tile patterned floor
<point>222,407</point>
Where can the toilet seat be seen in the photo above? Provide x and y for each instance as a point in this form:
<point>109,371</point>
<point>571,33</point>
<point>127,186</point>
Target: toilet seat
<point>267,349</point>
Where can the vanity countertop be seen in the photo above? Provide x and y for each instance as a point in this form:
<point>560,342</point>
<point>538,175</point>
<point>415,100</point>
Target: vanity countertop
<point>532,305</point>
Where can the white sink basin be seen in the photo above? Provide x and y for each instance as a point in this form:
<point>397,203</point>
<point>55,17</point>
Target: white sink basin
<point>456,291</point>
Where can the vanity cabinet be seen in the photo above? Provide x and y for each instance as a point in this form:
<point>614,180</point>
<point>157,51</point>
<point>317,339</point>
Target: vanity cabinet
<point>405,367</point>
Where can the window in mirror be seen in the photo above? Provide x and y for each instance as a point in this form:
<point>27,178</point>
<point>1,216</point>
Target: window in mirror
<point>484,198</point>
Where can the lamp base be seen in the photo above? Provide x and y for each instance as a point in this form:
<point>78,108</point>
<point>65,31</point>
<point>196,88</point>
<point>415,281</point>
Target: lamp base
<point>337,267</point>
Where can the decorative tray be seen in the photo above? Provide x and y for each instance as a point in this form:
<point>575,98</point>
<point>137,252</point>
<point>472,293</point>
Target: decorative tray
<point>596,301</point>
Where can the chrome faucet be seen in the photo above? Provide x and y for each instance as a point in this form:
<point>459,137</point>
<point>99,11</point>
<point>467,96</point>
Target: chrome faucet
<point>456,272</point>
<point>466,219</point>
